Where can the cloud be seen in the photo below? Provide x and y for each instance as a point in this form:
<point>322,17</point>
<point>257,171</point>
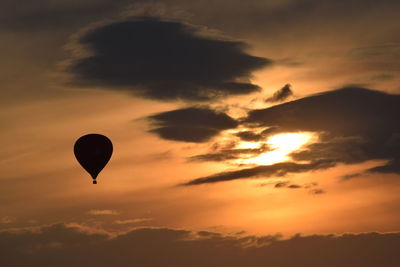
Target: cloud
<point>164,60</point>
<point>307,186</point>
<point>63,245</point>
<point>192,124</point>
<point>252,136</point>
<point>249,136</point>
<point>133,221</point>
<point>344,112</point>
<point>281,95</point>
<point>317,191</point>
<point>278,169</point>
<point>351,176</point>
<point>230,154</point>
<point>393,166</point>
<point>281,184</point>
<point>338,149</point>
<point>355,125</point>
<point>296,186</point>
<point>103,212</point>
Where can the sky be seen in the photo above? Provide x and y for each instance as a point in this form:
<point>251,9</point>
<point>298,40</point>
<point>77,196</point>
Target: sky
<point>247,131</point>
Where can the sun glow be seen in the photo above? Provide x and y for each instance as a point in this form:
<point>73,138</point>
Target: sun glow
<point>289,141</point>
<point>251,145</point>
<point>281,146</point>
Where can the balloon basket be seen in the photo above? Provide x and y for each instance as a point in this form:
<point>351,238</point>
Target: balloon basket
<point>94,182</point>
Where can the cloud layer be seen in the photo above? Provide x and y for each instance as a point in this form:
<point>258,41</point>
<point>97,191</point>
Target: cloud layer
<point>355,125</point>
<point>229,154</point>
<point>73,245</point>
<point>164,60</point>
<point>278,169</point>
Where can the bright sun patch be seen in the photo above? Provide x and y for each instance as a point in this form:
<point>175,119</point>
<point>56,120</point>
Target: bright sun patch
<point>289,141</point>
<point>282,145</point>
<point>245,145</point>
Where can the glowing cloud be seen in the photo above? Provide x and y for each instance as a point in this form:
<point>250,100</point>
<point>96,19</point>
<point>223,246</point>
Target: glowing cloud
<point>282,145</point>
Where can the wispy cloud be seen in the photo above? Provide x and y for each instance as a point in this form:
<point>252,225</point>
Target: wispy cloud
<point>103,212</point>
<point>281,95</point>
<point>133,221</point>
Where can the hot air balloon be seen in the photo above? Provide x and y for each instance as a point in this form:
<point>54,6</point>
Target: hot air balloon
<point>93,151</point>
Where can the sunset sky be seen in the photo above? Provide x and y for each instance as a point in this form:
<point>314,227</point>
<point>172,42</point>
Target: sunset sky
<point>254,132</point>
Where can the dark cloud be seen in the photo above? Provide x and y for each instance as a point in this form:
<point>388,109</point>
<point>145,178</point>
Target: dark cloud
<point>315,191</point>
<point>270,131</point>
<point>278,169</point>
<point>193,124</point>
<point>344,112</point>
<point>357,124</point>
<point>164,60</point>
<point>73,245</point>
<point>351,176</point>
<point>252,136</point>
<point>281,95</point>
<point>338,149</point>
<point>393,166</point>
<point>249,136</point>
<point>281,184</point>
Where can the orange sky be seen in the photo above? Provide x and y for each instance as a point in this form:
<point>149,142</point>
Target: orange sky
<point>41,117</point>
<point>45,184</point>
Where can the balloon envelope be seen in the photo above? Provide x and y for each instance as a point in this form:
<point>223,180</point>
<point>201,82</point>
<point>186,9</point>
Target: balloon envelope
<point>93,151</point>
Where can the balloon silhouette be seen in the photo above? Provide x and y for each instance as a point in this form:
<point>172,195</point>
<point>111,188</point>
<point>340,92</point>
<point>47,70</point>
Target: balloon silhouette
<point>93,151</point>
